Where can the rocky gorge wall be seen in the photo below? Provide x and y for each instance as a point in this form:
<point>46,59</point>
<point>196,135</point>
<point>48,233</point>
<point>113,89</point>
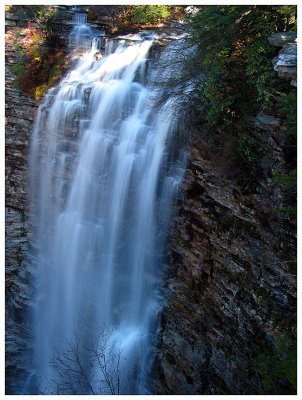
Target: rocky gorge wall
<point>229,323</point>
<point>19,113</point>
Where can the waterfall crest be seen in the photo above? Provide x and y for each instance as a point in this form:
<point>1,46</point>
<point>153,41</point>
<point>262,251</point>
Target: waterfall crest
<point>102,190</point>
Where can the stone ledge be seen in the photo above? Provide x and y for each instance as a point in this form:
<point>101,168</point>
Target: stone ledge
<point>285,63</point>
<point>279,39</point>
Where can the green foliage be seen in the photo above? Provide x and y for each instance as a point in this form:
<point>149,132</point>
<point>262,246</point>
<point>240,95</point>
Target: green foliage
<point>19,68</point>
<point>149,14</point>
<point>51,72</point>
<point>281,363</point>
<point>248,148</point>
<point>127,18</point>
<point>213,31</point>
<point>290,210</point>
<point>289,12</point>
<point>237,59</point>
<point>41,14</point>
<point>288,108</point>
<point>260,73</point>
<point>287,181</point>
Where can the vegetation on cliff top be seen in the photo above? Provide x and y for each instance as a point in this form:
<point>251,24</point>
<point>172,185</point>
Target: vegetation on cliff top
<point>125,19</point>
<point>38,50</point>
<point>237,59</point>
<point>237,81</point>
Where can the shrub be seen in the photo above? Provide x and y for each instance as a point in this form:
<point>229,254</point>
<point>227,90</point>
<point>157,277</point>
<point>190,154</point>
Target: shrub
<point>248,148</point>
<point>42,14</point>
<point>39,61</point>
<point>149,14</point>
<point>288,109</point>
<point>279,364</point>
<point>287,181</point>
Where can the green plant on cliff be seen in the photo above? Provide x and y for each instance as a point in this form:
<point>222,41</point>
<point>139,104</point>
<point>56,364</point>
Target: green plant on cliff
<point>288,109</point>
<point>248,148</point>
<point>41,14</point>
<point>278,366</point>
<point>288,183</point>
<point>259,71</point>
<point>289,14</point>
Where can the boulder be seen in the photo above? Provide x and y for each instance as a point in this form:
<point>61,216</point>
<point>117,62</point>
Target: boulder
<point>288,55</point>
<point>267,122</point>
<point>286,63</point>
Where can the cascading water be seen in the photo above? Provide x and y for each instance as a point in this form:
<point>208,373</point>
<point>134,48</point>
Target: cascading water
<point>102,191</point>
<point>82,34</point>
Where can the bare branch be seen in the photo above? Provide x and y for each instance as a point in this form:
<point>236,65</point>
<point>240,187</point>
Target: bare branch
<point>76,375</point>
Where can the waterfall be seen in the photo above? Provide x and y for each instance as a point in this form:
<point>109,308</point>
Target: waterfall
<point>102,190</point>
<point>82,35</point>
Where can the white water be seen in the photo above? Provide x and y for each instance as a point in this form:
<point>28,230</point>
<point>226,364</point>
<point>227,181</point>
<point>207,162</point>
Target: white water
<point>102,194</point>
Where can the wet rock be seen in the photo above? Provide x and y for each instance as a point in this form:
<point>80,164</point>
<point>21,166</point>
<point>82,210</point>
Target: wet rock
<point>98,55</point>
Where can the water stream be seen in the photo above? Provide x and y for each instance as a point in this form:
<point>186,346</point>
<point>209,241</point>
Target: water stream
<point>103,184</point>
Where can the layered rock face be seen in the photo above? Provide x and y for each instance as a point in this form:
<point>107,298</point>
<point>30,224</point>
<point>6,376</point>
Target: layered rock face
<point>20,113</point>
<point>231,279</point>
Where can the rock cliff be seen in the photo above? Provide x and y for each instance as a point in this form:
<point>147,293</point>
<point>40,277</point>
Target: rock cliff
<point>19,116</point>
<point>229,322</point>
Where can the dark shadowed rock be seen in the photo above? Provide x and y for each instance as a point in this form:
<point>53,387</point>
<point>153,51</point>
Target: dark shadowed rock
<point>265,122</point>
<point>229,286</point>
<point>281,38</point>
<point>20,112</point>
